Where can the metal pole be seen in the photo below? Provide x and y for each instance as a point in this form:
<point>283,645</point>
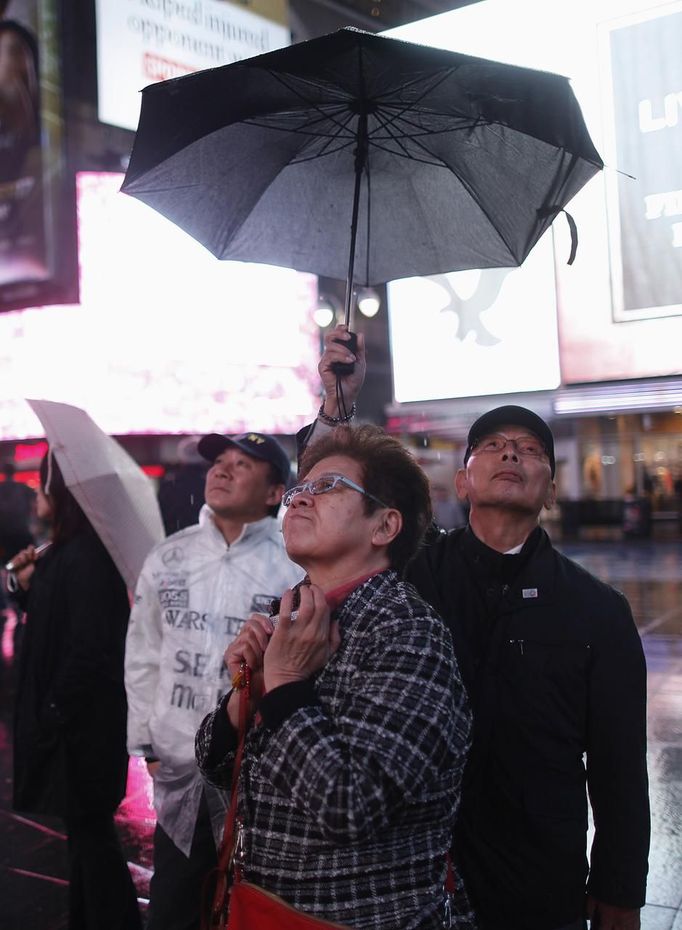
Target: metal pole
<point>360,161</point>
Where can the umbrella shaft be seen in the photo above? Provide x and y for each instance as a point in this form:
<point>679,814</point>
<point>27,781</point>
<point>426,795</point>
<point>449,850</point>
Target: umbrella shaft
<point>360,162</point>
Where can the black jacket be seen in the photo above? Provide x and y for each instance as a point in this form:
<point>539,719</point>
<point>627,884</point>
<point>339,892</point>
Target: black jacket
<point>70,713</point>
<point>555,670</point>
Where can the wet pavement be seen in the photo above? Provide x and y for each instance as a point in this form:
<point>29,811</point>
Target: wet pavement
<point>33,869</point>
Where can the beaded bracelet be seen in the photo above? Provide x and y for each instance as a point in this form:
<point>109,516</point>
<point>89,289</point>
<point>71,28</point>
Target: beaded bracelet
<point>334,421</point>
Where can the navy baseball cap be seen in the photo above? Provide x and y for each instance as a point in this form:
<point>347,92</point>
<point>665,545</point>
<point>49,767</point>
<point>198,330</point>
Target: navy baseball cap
<point>257,445</point>
<point>511,415</point>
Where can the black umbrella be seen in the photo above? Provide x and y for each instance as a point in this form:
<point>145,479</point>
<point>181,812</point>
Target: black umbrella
<point>426,161</point>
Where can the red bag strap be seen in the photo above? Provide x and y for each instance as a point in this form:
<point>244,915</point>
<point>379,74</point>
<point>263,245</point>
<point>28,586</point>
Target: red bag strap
<point>218,911</point>
<point>242,684</point>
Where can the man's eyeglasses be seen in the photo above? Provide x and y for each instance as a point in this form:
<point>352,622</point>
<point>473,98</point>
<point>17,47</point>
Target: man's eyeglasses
<point>325,484</point>
<point>523,445</point>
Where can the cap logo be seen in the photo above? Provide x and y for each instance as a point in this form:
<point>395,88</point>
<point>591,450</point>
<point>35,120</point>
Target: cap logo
<point>254,437</point>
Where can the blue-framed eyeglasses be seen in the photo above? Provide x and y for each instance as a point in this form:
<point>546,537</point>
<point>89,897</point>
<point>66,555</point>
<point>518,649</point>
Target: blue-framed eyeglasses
<point>323,485</point>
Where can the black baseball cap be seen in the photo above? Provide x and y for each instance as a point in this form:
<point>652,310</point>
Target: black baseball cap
<point>257,445</point>
<point>511,415</point>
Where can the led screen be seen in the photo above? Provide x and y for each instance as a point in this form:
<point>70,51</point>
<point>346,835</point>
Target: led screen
<point>37,223</point>
<point>618,305</point>
<point>141,42</point>
<point>476,332</point>
<point>166,338</point>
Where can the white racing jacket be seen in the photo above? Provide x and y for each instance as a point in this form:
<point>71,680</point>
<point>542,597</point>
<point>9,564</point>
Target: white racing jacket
<point>193,595</point>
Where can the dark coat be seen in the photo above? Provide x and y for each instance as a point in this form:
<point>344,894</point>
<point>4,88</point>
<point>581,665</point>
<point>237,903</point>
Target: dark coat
<point>70,715</point>
<point>555,670</point>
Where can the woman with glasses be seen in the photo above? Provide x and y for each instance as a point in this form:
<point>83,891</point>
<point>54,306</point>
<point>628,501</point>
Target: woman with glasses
<point>351,773</point>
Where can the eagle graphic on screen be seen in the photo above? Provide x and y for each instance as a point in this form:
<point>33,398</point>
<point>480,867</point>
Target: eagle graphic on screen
<point>469,309</point>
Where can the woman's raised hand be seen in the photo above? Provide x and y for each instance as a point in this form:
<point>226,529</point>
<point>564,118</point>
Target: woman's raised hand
<point>304,640</point>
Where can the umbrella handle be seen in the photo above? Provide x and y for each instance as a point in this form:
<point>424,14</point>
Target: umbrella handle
<point>346,368</point>
<point>38,550</point>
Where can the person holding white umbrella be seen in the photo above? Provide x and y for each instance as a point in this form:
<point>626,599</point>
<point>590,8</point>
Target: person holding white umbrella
<point>70,756</point>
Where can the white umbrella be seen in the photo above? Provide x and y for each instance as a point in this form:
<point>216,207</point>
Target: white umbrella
<point>115,494</point>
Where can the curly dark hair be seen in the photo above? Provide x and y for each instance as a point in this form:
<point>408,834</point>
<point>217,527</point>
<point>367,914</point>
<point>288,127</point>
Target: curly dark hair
<point>390,473</point>
<point>68,520</point>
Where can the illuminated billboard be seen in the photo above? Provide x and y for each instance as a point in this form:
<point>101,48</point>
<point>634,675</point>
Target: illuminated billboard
<point>140,43</point>
<point>166,338</point>
<point>471,333</point>
<point>644,134</point>
<point>37,211</point>
<point>617,305</point>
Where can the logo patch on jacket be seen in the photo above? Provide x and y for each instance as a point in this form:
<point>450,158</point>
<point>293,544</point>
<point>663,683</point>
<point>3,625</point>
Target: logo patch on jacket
<point>529,592</point>
<point>170,597</point>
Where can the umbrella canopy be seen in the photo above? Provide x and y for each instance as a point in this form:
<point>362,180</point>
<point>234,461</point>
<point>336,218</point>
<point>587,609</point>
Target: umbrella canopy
<point>115,494</point>
<point>426,161</point>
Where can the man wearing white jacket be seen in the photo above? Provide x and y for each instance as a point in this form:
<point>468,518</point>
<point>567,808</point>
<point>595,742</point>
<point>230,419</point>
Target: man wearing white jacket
<point>195,591</point>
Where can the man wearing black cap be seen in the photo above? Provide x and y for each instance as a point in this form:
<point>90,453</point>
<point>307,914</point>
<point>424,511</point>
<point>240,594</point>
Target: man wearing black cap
<point>194,593</point>
<point>556,674</point>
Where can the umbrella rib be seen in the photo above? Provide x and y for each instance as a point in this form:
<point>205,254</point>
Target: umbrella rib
<point>428,90</point>
<point>434,161</point>
<point>324,150</point>
<point>470,125</point>
<point>267,120</point>
<point>393,136</point>
<point>313,84</point>
<point>388,128</point>
<point>310,103</point>
<point>303,130</point>
<point>444,114</point>
<point>312,134</point>
<point>331,137</point>
<point>491,125</point>
<point>437,79</point>
<point>306,158</point>
<point>405,154</point>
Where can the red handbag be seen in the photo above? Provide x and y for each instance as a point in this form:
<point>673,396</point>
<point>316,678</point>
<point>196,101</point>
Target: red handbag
<point>241,905</point>
<point>253,908</point>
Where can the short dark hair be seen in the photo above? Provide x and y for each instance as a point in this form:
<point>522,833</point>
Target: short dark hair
<point>68,520</point>
<point>390,473</point>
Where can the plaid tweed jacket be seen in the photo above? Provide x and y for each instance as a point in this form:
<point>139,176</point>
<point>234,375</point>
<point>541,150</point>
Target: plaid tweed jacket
<point>348,803</point>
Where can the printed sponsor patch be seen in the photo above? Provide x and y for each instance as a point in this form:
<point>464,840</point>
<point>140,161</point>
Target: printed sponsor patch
<point>529,592</point>
<point>170,580</point>
<point>173,597</point>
